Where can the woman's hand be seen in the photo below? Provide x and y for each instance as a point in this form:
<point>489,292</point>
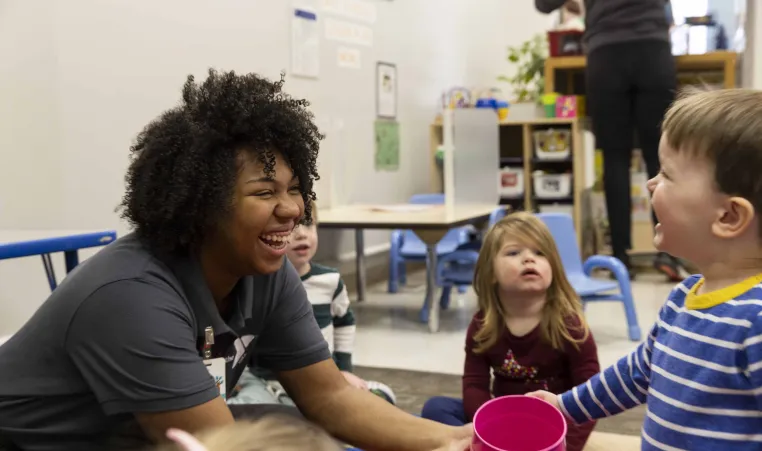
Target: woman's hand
<point>355,381</point>
<point>461,441</point>
<point>460,445</point>
<point>546,396</point>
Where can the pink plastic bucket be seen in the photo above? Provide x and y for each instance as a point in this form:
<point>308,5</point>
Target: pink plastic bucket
<point>518,423</point>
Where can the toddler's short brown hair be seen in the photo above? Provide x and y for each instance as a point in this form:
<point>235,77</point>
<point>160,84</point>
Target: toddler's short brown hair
<point>722,126</point>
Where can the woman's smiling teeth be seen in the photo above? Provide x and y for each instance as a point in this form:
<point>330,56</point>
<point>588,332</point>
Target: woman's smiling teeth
<point>276,241</point>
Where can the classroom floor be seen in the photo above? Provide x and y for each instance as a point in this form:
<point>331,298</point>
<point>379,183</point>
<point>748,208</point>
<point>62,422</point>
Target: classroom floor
<point>390,336</point>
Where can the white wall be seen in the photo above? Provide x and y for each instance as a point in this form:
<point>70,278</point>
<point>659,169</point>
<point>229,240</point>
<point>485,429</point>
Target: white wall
<point>752,55</point>
<point>80,78</point>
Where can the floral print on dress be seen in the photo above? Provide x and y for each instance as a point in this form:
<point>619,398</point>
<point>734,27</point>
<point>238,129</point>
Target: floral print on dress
<point>512,369</point>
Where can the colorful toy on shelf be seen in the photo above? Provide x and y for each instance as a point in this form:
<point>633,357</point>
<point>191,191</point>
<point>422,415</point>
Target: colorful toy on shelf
<point>549,103</point>
<point>457,97</point>
<point>566,106</point>
<point>570,106</point>
<point>492,98</point>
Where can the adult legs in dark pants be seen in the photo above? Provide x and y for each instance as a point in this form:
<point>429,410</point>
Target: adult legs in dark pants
<point>444,410</point>
<point>629,88</point>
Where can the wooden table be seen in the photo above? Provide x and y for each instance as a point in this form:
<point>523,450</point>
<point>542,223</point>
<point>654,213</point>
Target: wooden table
<point>603,441</point>
<point>723,61</point>
<point>430,224</point>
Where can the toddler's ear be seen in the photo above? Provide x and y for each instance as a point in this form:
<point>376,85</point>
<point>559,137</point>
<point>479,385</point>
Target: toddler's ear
<point>186,441</point>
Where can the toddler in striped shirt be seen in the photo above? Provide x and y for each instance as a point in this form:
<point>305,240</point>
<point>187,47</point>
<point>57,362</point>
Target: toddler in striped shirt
<point>700,369</point>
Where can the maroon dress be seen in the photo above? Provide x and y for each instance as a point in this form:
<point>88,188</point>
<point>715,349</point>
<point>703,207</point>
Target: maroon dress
<point>524,364</point>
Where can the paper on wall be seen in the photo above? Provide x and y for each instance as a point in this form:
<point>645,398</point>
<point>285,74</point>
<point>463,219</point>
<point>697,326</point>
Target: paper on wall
<point>305,43</point>
<point>348,58</point>
<point>348,32</point>
<point>361,10</point>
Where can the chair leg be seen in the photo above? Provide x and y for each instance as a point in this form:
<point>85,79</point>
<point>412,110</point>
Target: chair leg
<point>625,288</point>
<point>462,289</point>
<point>394,275</point>
<point>423,315</point>
<point>444,301</point>
<point>402,272</point>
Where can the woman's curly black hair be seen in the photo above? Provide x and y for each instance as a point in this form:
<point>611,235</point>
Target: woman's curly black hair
<point>184,164</point>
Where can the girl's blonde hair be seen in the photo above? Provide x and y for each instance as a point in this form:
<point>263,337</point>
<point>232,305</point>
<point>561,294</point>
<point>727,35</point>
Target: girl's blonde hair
<point>563,308</point>
<point>272,433</point>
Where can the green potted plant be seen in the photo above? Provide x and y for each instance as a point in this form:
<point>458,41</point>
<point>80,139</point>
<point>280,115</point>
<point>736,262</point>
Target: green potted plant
<point>528,81</point>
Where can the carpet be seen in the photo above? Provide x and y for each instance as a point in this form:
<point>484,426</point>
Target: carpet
<point>413,388</point>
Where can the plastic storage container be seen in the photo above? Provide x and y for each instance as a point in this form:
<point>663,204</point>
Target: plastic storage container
<point>552,144</point>
<point>565,42</point>
<point>510,182</point>
<point>518,423</point>
<point>551,186</point>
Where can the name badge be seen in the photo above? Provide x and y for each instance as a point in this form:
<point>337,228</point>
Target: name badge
<point>216,368</point>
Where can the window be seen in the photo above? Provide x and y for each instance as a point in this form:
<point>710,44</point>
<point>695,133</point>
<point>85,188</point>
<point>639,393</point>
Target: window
<point>689,40</point>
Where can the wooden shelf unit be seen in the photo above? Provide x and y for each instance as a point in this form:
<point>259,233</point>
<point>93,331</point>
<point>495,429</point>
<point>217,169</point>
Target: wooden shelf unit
<point>517,150</point>
<point>561,72</point>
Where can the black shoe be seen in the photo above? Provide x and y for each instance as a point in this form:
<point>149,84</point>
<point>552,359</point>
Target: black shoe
<point>624,258</point>
<point>669,266</point>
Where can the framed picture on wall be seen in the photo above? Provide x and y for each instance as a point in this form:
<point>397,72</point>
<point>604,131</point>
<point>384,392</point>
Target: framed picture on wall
<point>386,90</point>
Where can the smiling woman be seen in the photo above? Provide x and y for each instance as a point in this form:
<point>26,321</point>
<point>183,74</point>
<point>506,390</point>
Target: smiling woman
<point>154,331</point>
<point>226,125</point>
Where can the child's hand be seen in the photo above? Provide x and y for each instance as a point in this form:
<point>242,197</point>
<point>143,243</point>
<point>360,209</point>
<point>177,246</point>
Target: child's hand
<point>546,396</point>
<point>355,381</point>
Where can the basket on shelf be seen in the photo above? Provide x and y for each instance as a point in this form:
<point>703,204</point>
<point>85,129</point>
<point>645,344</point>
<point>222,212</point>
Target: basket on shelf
<point>552,144</point>
<point>551,186</point>
<point>511,182</point>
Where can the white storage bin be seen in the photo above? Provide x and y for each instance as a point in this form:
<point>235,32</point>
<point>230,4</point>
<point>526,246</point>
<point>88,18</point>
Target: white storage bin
<point>510,182</point>
<point>552,144</point>
<point>551,186</point>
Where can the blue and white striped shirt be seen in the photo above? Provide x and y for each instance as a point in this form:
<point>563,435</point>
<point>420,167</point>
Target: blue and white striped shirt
<point>700,371</point>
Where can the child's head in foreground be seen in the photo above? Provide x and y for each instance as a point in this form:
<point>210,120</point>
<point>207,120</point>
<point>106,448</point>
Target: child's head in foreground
<point>303,243</point>
<point>274,433</point>
<point>519,263</point>
<point>708,195</point>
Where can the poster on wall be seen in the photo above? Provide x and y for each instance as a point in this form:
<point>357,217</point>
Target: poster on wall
<point>361,10</point>
<point>305,43</point>
<point>348,58</point>
<point>386,90</point>
<point>387,145</point>
<point>348,32</point>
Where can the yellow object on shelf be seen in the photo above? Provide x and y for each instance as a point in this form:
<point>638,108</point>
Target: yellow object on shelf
<point>502,113</point>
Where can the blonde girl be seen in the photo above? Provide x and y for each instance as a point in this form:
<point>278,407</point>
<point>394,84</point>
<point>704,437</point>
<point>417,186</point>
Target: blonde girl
<point>529,333</point>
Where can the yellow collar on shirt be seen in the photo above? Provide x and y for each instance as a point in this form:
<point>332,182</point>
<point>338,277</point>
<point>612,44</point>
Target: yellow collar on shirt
<point>695,301</point>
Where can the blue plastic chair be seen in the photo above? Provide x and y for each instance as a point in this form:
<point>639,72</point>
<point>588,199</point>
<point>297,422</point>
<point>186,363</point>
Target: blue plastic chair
<point>407,247</point>
<point>457,268</point>
<point>589,289</point>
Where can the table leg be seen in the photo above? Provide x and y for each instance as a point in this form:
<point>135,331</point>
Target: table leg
<point>431,238</point>
<point>432,300</point>
<point>360,264</point>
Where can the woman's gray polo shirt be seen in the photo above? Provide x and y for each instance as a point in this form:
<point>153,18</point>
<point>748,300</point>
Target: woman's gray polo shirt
<point>123,333</point>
